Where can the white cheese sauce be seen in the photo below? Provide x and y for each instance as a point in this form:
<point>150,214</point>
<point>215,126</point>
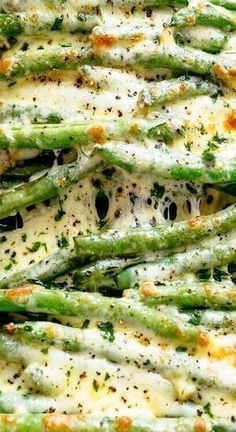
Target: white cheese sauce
<point>85,384</point>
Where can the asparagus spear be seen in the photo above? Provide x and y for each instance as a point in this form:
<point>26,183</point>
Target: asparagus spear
<point>168,362</point>
<point>227,4</point>
<point>174,265</point>
<point>47,186</point>
<point>168,164</point>
<point>174,89</point>
<point>83,133</point>
<point>139,241</point>
<point>84,305</point>
<point>207,14</point>
<point>74,423</point>
<point>14,24</point>
<point>211,40</point>
<point>188,294</point>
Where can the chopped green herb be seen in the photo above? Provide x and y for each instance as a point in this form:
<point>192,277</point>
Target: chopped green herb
<point>53,119</point>
<point>212,145</point>
<point>107,376</point>
<point>63,242</point>
<point>95,385</point>
<point>107,331</point>
<point>191,189</point>
<point>36,245</point>
<point>219,275</point>
<point>219,428</point>
<point>204,275</point>
<point>208,156</point>
<point>28,328</point>
<point>181,349</point>
<point>57,25</point>
<point>207,409</point>
<point>202,129</point>
<point>188,145</point>
<point>24,47</point>
<point>195,318</point>
<point>85,324</point>
<point>60,212</point>
<point>82,17</point>
<point>24,237</point>
<point>157,193</point>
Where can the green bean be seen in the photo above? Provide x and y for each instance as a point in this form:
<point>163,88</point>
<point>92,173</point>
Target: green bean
<point>66,135</point>
<point>47,186</point>
<point>207,15</point>
<point>211,40</point>
<point>140,241</point>
<point>172,90</point>
<point>169,164</point>
<point>188,294</point>
<point>85,305</point>
<point>174,265</point>
<point>59,423</point>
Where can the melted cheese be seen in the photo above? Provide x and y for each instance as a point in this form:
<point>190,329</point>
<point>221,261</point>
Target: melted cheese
<point>82,383</point>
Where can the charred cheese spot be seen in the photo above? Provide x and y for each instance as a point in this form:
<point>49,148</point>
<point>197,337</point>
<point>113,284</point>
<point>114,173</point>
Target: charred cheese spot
<point>221,71</point>
<point>21,292</point>
<point>189,60</point>
<point>10,328</point>
<point>103,41</point>
<point>232,72</point>
<point>230,121</point>
<point>56,422</point>
<point>195,223</point>
<point>134,129</point>
<point>97,134</point>
<point>179,333</point>
<point>200,426</point>
<point>59,182</point>
<point>137,37</point>
<point>182,88</point>
<point>5,65</point>
<point>201,6</point>
<point>8,420</point>
<point>124,424</point>
<point>146,289</point>
<point>191,20</point>
<point>203,339</point>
